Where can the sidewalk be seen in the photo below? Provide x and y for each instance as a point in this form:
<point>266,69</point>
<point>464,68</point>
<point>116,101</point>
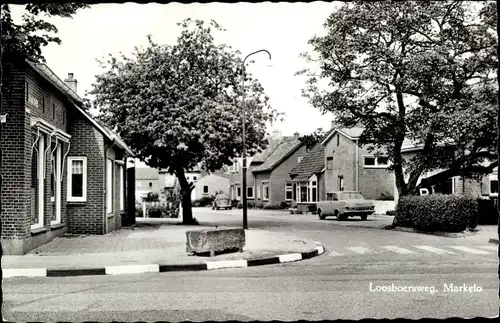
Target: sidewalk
<point>154,241</point>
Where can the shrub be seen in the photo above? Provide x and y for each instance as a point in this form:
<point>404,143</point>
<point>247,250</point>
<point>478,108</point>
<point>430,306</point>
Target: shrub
<point>239,205</point>
<point>157,211</point>
<point>152,197</point>
<point>312,208</point>
<point>138,211</point>
<point>234,203</point>
<point>203,201</point>
<point>385,196</point>
<point>250,205</point>
<point>449,213</point>
<point>284,205</point>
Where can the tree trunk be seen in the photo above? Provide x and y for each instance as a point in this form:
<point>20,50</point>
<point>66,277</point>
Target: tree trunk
<point>187,211</point>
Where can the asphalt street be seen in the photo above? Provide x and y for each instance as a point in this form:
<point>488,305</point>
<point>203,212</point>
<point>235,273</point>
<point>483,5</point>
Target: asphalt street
<point>353,279</point>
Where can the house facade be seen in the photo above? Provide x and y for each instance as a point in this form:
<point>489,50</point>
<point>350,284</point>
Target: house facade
<point>271,181</point>
<point>487,187</point>
<point>254,192</point>
<point>147,180</point>
<point>62,170</point>
<point>351,167</point>
<point>210,184</point>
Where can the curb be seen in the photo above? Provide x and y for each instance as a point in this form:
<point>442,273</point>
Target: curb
<point>437,233</point>
<point>494,241</point>
<point>157,268</point>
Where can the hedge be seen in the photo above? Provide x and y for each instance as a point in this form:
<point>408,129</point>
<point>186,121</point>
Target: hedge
<point>437,212</point>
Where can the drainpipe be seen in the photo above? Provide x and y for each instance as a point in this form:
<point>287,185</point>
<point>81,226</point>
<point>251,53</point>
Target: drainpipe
<point>113,142</point>
<point>357,165</point>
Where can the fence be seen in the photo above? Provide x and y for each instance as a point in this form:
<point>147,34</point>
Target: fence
<point>160,209</point>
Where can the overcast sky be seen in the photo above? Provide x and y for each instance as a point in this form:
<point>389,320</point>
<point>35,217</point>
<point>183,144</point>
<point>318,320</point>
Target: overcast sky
<point>281,28</point>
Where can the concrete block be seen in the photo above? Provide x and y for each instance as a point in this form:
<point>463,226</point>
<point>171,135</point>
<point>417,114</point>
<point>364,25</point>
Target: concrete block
<point>214,240</point>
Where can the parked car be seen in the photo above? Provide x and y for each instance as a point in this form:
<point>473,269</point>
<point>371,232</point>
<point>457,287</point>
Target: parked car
<point>345,204</point>
<point>222,201</point>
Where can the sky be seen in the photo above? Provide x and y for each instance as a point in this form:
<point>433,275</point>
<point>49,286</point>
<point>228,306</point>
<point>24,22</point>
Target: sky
<point>281,28</point>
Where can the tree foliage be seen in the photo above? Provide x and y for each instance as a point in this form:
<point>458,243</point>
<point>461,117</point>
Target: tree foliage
<point>420,70</point>
<point>26,40</point>
<point>312,139</point>
<point>180,106</point>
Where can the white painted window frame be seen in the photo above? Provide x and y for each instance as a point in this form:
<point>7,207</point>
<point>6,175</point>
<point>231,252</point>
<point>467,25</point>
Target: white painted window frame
<point>248,195</point>
<point>264,197</point>
<point>120,170</point>
<point>377,165</point>
<point>40,181</point>
<point>58,170</point>
<point>491,178</point>
<point>310,187</point>
<point>299,159</point>
<point>109,186</point>
<point>288,188</point>
<point>69,197</point>
<point>207,192</point>
<point>258,192</point>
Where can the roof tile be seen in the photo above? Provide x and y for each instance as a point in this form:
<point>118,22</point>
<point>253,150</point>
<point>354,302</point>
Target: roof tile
<point>278,154</point>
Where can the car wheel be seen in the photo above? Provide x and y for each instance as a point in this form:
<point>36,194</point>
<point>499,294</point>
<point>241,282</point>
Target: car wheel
<point>321,215</point>
<point>213,207</point>
<point>231,208</point>
<point>364,217</point>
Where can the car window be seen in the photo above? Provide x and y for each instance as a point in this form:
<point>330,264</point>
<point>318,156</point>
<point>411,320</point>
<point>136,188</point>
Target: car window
<point>329,197</point>
<point>351,196</point>
<point>335,197</point>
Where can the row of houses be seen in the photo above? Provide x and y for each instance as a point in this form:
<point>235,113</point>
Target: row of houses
<point>62,170</point>
<point>288,173</point>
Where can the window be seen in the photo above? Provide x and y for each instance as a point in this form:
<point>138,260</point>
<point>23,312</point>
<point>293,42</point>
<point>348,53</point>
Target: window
<point>238,192</point>
<point>55,181</point>
<point>258,192</point>
<point>369,161</point>
<point>38,181</point>
<point>150,184</point>
<point>265,191</point>
<point>299,159</point>
<point>119,169</point>
<point>109,186</point>
<point>77,179</point>
<point>329,163</point>
<point>53,110</point>
<point>288,191</point>
<point>341,182</point>
<point>235,166</point>
<point>376,162</point>
<point>250,192</point>
<point>338,139</point>
<point>195,178</point>
<point>307,192</point>
<point>494,185</point>
<point>205,189</point>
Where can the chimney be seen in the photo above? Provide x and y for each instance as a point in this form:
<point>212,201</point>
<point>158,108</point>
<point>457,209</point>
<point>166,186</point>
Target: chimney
<point>296,135</point>
<point>71,82</point>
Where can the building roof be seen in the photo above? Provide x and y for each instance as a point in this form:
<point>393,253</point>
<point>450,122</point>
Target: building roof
<point>351,133</point>
<point>145,173</point>
<point>44,71</point>
<point>280,153</point>
<point>312,163</point>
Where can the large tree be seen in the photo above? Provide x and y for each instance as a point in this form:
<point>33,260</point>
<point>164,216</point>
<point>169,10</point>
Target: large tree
<point>25,40</point>
<point>421,70</point>
<point>180,106</point>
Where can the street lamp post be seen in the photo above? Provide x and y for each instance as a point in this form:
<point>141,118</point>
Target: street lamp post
<point>244,154</point>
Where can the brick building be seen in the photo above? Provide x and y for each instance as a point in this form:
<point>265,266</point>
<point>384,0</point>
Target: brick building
<point>272,183</point>
<point>62,170</point>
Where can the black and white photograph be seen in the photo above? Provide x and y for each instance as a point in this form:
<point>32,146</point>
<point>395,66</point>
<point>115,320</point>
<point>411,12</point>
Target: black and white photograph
<point>249,161</point>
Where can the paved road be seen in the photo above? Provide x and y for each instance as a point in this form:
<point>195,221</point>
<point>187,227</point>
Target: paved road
<point>335,285</point>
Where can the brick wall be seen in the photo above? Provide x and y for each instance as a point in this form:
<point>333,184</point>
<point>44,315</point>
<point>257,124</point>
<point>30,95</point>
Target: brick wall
<point>371,182</point>
<point>87,141</point>
<point>15,189</point>
<point>279,176</point>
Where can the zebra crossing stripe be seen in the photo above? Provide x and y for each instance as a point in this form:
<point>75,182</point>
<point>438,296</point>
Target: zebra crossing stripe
<point>360,250</point>
<point>494,248</point>
<point>399,250</point>
<point>335,254</point>
<point>435,250</point>
<point>470,250</point>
